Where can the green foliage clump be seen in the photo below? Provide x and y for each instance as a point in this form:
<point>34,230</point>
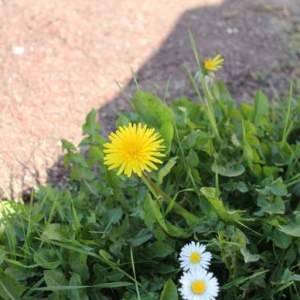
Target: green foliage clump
<point>230,179</point>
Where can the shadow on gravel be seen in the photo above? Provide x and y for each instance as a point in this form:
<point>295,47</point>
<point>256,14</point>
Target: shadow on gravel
<point>249,34</point>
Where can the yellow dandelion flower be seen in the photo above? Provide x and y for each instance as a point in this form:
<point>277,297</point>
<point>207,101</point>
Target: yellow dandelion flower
<point>133,148</point>
<point>213,64</point>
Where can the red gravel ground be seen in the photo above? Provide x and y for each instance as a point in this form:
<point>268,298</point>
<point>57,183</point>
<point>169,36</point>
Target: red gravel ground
<point>60,58</point>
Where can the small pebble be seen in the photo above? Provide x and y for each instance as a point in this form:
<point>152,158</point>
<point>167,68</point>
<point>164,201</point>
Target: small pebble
<point>229,30</point>
<point>18,50</point>
<point>233,30</point>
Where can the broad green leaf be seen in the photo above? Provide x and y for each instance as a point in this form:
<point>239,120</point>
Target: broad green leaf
<point>54,278</point>
<point>47,258</point>
<point>199,140</point>
<point>7,207</point>
<point>205,143</point>
<point>270,204</point>
<point>123,119</point>
<point>289,276</point>
<point>142,237</point>
<point>190,140</point>
<point>247,111</point>
<point>249,257</point>
<point>95,155</point>
<point>281,239</point>
<point>153,209</point>
<point>278,187</point>
<point>169,291</point>
<point>228,170</point>
<point>91,125</point>
<point>2,256</point>
<point>261,107</point>
<point>186,111</point>
<point>11,237</point>
<point>107,256</point>
<point>225,214</point>
<point>190,218</point>
<point>167,269</point>
<point>66,145</point>
<point>78,263</point>
<point>10,289</point>
<point>19,272</point>
<point>73,245</point>
<point>296,191</point>
<point>248,153</point>
<point>151,109</point>
<point>76,294</point>
<point>52,232</point>
<point>242,187</point>
<point>167,133</point>
<point>159,249</point>
<point>291,229</point>
<point>114,215</point>
<point>221,93</point>
<point>240,239</point>
<point>166,169</point>
<point>192,159</point>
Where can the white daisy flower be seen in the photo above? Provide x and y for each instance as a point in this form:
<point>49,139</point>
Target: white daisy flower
<point>198,285</point>
<point>193,255</point>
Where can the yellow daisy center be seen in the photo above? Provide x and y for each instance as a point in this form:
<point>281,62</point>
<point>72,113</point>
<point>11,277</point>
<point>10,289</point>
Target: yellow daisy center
<point>133,148</point>
<point>198,287</point>
<point>195,257</point>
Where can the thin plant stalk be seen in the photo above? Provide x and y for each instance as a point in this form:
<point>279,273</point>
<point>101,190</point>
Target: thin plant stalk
<point>134,275</point>
<point>287,127</point>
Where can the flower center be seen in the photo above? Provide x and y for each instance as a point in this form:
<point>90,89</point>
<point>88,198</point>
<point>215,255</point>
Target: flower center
<point>195,258</point>
<point>133,150</point>
<point>133,153</point>
<point>209,65</point>
<point>198,287</point>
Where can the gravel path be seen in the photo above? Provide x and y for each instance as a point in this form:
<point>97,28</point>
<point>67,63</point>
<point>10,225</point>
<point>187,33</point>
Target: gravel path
<point>60,58</point>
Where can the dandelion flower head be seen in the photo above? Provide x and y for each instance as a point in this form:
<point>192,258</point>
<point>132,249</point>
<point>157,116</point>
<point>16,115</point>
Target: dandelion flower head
<point>133,149</point>
<point>213,64</point>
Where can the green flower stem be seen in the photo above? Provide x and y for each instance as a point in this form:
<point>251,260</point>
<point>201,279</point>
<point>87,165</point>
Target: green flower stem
<point>134,275</point>
<point>286,128</point>
<point>208,98</point>
<point>158,193</point>
<point>154,188</point>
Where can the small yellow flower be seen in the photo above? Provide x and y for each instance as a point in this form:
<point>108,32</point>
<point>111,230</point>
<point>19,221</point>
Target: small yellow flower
<point>133,148</point>
<point>213,64</point>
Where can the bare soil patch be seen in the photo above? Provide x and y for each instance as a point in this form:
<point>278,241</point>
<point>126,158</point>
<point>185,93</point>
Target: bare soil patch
<point>59,59</point>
